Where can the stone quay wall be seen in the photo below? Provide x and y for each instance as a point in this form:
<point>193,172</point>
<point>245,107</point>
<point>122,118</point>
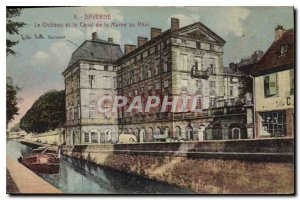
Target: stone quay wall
<point>53,137</point>
<point>261,166</point>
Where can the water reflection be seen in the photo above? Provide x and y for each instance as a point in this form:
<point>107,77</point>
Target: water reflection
<point>77,176</point>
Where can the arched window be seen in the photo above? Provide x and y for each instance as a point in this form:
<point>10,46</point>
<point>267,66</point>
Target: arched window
<point>143,135</point>
<point>107,135</point>
<point>195,134</point>
<point>102,137</point>
<point>94,137</point>
<point>177,132</point>
<point>217,132</point>
<point>167,131</point>
<point>136,133</point>
<point>150,134</point>
<point>130,131</point>
<point>157,131</point>
<point>86,137</point>
<point>189,133</point>
<point>236,133</point>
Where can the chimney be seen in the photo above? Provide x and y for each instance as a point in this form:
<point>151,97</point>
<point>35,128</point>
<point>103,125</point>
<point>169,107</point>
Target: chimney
<point>155,32</point>
<point>94,36</point>
<point>142,40</point>
<point>128,48</point>
<point>279,31</point>
<point>174,24</point>
<point>110,40</point>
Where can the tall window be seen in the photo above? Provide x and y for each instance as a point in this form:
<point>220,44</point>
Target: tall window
<point>198,45</point>
<point>115,82</point>
<point>92,96</point>
<point>94,137</point>
<point>212,101</point>
<point>198,104</point>
<point>149,72</point>
<point>212,67</point>
<point>86,137</point>
<point>198,63</point>
<point>274,123</point>
<point>92,81</point>
<point>131,77</point>
<point>270,85</point>
<point>231,90</point>
<point>156,69</point>
<point>212,85</point>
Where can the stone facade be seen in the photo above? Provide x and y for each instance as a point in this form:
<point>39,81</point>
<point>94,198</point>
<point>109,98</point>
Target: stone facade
<point>163,67</point>
<point>185,61</point>
<point>85,82</point>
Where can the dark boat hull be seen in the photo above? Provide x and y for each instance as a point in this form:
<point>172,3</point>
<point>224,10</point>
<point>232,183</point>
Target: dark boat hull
<point>43,168</point>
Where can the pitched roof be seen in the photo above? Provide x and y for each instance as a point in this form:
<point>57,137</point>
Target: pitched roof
<point>273,60</point>
<point>247,64</point>
<point>96,50</point>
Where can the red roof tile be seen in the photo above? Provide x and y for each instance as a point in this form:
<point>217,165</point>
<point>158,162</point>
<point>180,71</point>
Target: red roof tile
<point>273,59</point>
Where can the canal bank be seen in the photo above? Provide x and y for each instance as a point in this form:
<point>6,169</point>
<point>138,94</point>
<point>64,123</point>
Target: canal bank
<point>26,181</point>
<point>262,166</point>
<point>83,177</point>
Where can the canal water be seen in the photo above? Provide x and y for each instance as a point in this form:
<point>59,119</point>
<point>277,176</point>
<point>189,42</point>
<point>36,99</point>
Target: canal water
<point>80,177</point>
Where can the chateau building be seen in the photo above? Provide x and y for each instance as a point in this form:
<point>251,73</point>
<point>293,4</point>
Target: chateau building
<point>91,74</point>
<point>181,61</point>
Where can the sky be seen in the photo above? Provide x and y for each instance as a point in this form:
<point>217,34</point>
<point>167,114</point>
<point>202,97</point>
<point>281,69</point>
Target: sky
<point>38,64</point>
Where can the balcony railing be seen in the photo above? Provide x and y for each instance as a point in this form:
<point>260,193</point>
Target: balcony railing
<point>199,73</point>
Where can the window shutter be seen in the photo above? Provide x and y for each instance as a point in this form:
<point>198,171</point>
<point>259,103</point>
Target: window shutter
<point>266,86</point>
<point>273,84</point>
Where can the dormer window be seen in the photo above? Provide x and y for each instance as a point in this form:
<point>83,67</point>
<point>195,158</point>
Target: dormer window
<point>283,49</point>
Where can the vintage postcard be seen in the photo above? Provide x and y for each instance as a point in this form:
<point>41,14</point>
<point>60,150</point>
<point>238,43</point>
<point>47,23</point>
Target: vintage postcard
<point>150,100</point>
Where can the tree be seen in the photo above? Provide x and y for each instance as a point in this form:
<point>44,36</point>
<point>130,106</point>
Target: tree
<point>246,83</point>
<point>47,113</point>
<point>12,27</point>
<point>12,100</point>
